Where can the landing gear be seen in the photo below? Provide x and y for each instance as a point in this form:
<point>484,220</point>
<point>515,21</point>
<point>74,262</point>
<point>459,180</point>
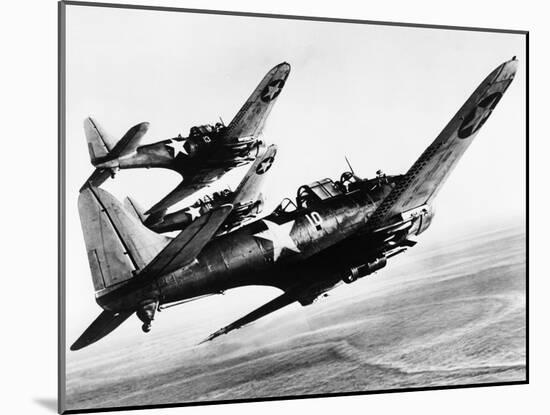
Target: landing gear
<point>146,313</point>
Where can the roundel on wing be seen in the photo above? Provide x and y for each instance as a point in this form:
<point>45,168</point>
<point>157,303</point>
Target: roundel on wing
<point>478,115</point>
<point>272,90</point>
<point>265,165</point>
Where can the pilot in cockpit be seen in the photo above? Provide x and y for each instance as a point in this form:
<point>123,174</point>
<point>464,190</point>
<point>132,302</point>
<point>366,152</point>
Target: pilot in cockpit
<point>381,177</point>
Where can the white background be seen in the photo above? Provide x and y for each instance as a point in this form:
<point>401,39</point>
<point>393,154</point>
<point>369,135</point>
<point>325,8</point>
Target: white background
<point>29,209</point>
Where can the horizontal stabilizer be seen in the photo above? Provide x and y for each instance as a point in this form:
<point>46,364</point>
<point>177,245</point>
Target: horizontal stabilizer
<point>185,247</point>
<point>102,325</point>
<point>97,178</point>
<point>130,141</point>
<point>103,147</point>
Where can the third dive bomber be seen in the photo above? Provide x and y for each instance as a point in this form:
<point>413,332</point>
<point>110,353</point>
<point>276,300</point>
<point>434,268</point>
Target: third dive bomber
<point>332,232</point>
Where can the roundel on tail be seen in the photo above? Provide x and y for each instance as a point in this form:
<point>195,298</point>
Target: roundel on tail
<point>272,90</point>
<point>478,115</point>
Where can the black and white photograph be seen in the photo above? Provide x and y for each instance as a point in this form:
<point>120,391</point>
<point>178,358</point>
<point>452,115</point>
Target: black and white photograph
<point>262,207</point>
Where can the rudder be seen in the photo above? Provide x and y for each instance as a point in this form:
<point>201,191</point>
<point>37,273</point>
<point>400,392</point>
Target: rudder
<point>99,143</point>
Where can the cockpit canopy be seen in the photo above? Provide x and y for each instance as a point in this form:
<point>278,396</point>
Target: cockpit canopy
<point>317,191</point>
<point>202,130</point>
<point>311,194</point>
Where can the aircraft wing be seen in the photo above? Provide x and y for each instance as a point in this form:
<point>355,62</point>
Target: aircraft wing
<point>185,189</point>
<point>104,324</point>
<point>250,120</point>
<point>185,247</point>
<point>249,187</point>
<point>425,178</point>
<point>277,303</point>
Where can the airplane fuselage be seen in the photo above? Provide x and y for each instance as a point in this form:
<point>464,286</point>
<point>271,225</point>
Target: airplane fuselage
<point>189,155</point>
<point>279,250</point>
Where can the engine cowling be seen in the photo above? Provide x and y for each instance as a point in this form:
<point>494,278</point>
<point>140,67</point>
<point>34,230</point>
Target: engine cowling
<point>361,271</point>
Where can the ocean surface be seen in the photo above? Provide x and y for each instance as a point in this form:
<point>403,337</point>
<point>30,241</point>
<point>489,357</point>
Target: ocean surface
<point>445,314</point>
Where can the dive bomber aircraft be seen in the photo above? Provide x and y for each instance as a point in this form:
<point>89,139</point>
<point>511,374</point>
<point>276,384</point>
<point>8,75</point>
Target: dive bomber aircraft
<point>334,232</point>
<point>246,200</point>
<point>201,158</point>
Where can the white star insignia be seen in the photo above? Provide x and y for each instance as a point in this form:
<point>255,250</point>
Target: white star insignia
<point>264,165</point>
<point>178,146</point>
<point>272,91</point>
<point>475,119</point>
<point>194,212</point>
<point>280,236</point>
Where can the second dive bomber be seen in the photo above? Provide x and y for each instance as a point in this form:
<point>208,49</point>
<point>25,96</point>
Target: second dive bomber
<point>332,232</point>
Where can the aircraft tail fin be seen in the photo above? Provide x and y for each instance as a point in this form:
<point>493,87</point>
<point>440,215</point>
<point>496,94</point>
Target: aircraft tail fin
<point>133,207</point>
<point>99,142</point>
<point>118,244</point>
<point>103,147</point>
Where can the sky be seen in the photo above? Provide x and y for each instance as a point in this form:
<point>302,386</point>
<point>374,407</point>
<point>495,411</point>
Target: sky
<point>376,94</point>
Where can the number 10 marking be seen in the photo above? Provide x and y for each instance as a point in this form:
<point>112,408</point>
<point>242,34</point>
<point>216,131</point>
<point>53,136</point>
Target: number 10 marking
<point>315,219</point>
